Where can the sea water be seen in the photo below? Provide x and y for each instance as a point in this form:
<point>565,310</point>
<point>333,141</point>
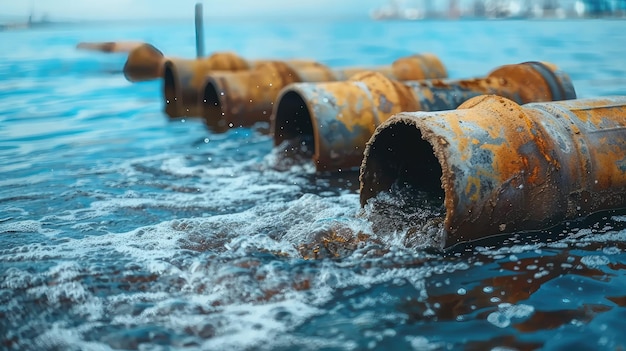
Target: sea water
<point>122,229</point>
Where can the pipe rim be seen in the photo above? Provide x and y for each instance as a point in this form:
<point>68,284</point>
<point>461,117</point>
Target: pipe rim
<point>291,102</point>
<point>559,82</point>
<point>171,90</point>
<point>215,105</point>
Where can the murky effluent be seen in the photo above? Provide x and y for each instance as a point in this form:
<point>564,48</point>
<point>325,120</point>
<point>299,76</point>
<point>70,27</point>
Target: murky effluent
<point>122,229</point>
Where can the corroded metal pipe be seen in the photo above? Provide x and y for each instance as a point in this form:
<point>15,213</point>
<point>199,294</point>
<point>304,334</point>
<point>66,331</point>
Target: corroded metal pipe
<point>109,46</point>
<point>244,98</point>
<point>183,79</point>
<point>501,167</point>
<point>145,62</point>
<point>339,117</point>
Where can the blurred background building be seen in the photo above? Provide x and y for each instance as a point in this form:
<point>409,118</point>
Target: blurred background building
<point>421,9</point>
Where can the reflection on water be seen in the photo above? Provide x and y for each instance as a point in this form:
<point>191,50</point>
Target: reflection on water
<point>121,229</point>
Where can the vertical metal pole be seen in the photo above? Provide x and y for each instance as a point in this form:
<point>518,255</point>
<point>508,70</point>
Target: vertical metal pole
<point>199,31</point>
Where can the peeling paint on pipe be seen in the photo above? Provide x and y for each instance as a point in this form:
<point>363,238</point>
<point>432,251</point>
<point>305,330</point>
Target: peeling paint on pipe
<point>341,116</point>
<point>246,97</point>
<point>109,46</point>
<point>502,167</point>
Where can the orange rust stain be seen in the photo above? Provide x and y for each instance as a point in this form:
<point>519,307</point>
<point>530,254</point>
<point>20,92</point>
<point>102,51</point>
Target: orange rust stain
<point>417,67</point>
<point>473,182</point>
<point>457,130</point>
<point>525,80</point>
<point>597,113</point>
<point>355,107</point>
<point>428,95</point>
<point>606,170</point>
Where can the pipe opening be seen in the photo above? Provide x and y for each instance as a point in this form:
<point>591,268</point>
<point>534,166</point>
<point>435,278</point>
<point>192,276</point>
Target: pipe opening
<point>213,113</point>
<point>401,187</point>
<point>400,159</point>
<point>169,90</point>
<point>293,125</point>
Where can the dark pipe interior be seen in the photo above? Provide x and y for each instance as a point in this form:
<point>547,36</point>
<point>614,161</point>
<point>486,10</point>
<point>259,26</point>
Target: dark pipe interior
<point>399,157</point>
<point>169,90</point>
<point>214,115</point>
<point>293,121</point>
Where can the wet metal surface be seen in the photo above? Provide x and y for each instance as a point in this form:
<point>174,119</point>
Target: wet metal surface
<point>183,79</point>
<point>246,97</point>
<point>503,167</point>
<point>122,229</point>
<point>144,63</point>
<point>341,116</point>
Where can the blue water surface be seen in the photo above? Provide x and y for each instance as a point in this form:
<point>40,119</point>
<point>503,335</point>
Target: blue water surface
<point>123,230</point>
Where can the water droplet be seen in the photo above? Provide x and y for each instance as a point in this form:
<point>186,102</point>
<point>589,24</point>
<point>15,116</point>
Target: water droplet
<point>230,125</point>
<point>206,140</point>
<point>222,93</point>
<point>325,100</point>
<point>488,289</point>
<point>461,291</point>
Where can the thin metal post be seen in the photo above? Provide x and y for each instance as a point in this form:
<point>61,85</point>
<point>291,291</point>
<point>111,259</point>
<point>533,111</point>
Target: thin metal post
<point>199,31</point>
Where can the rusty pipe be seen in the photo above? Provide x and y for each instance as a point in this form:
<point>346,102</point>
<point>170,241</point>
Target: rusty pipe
<point>183,78</point>
<point>109,46</point>
<point>244,98</point>
<point>501,167</point>
<point>146,62</point>
<point>339,117</point>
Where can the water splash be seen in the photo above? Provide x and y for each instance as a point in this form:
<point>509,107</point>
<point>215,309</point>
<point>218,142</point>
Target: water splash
<point>407,216</point>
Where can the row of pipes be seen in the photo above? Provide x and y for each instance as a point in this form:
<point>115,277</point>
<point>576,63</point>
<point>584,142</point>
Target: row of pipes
<point>513,150</point>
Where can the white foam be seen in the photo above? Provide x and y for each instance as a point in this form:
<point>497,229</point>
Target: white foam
<point>507,312</point>
<point>594,261</point>
<point>26,226</point>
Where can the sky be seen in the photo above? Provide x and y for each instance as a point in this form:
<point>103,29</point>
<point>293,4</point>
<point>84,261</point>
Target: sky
<point>150,9</point>
<point>184,9</point>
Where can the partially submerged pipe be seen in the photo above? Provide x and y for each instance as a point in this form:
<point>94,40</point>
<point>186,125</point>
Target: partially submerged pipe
<point>502,167</point>
<point>183,79</point>
<point>246,97</point>
<point>340,117</point>
<point>146,62</point>
<point>109,46</point>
